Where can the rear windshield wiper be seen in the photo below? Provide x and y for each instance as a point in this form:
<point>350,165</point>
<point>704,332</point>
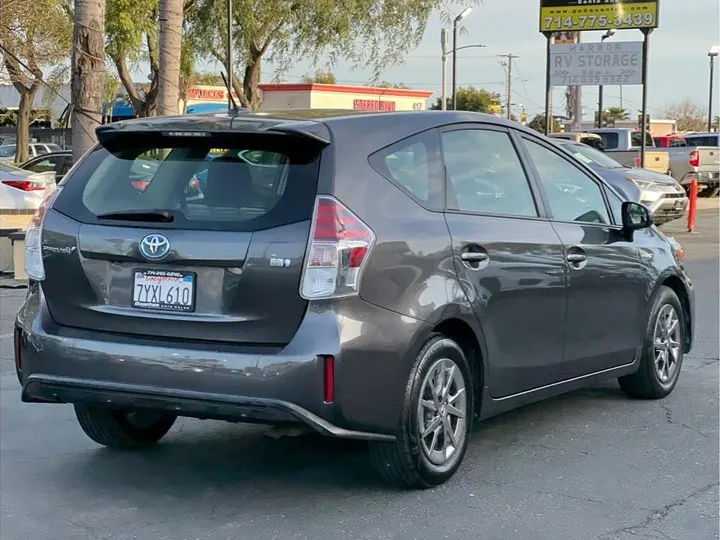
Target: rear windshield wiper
<point>152,216</point>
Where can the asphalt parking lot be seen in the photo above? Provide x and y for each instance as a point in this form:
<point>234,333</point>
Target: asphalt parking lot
<point>589,465</point>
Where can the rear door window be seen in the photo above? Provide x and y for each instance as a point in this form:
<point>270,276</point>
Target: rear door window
<point>485,174</point>
<point>636,139</point>
<point>201,185</point>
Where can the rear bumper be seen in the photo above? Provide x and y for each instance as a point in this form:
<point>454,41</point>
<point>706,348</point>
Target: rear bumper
<point>373,352</point>
<point>54,389</point>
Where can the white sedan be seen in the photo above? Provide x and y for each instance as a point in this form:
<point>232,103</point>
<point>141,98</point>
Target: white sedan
<point>21,189</point>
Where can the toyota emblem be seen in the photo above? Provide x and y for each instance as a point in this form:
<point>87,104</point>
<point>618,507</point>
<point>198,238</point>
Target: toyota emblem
<point>154,246</point>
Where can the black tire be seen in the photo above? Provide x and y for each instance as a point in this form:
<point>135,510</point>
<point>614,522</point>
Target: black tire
<point>709,191</point>
<point>124,430</point>
<point>646,383</point>
<point>404,462</point>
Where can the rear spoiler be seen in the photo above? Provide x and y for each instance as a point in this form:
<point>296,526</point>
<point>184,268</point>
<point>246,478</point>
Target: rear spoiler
<point>197,126</point>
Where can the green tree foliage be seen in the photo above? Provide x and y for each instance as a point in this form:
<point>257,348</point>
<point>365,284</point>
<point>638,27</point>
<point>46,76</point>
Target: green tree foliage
<point>35,35</point>
<point>613,114</point>
<point>385,84</point>
<point>110,91</point>
<point>538,124</point>
<point>320,77</point>
<point>470,99</point>
<point>131,33</point>
<point>368,33</point>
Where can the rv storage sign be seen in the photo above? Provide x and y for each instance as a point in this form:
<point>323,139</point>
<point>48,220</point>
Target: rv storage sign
<point>593,64</point>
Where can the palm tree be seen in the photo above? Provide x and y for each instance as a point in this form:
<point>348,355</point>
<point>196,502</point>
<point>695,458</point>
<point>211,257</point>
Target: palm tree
<point>171,16</point>
<point>88,73</point>
<point>613,114</point>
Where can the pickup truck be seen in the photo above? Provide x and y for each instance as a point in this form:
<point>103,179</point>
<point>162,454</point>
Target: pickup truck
<point>699,160</point>
<point>623,145</point>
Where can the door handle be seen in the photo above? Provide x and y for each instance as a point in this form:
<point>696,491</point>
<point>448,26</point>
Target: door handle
<point>576,258</point>
<point>471,256</point>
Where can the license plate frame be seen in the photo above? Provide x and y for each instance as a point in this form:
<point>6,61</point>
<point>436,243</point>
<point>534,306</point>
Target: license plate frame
<point>167,293</point>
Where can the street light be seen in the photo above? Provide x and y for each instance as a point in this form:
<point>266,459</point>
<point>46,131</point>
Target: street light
<point>712,53</point>
<point>464,13</point>
<point>445,53</point>
<point>610,33</point>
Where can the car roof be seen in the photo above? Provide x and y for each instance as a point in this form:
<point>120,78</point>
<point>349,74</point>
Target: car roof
<point>314,123</point>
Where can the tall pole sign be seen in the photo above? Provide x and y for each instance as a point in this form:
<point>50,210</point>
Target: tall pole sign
<point>597,63</point>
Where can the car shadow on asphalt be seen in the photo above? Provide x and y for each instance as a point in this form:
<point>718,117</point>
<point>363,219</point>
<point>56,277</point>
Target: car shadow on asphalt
<point>201,457</point>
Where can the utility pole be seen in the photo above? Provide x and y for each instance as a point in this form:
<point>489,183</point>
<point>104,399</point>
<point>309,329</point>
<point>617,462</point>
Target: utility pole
<point>444,45</point>
<point>510,57</point>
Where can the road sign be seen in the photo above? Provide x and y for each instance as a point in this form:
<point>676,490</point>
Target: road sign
<point>596,64</point>
<point>580,15</point>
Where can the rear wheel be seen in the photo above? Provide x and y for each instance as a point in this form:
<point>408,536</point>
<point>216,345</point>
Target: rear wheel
<point>662,353</point>
<point>436,419</point>
<point>123,429</point>
<point>709,191</point>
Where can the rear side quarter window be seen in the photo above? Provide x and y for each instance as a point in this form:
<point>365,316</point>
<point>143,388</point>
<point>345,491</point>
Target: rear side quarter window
<point>413,164</point>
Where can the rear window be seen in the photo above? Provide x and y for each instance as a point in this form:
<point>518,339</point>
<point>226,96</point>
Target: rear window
<point>610,140</point>
<point>202,184</point>
<point>703,140</point>
<point>636,139</point>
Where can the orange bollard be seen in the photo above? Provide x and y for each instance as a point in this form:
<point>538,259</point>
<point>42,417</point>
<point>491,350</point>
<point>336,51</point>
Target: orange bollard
<point>693,205</point>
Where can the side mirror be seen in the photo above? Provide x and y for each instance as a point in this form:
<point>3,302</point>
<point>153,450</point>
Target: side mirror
<point>636,216</point>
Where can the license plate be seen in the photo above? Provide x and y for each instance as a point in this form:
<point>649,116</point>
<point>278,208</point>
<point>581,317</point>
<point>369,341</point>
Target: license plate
<point>164,290</point>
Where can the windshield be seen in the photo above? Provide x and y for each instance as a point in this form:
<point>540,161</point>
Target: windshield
<point>7,150</point>
<point>591,156</point>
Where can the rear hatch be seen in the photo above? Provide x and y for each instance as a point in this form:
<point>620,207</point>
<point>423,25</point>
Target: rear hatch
<point>187,236</point>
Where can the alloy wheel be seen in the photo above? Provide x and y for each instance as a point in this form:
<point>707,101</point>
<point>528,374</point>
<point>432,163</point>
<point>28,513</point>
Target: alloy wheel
<point>441,415</point>
<point>666,343</point>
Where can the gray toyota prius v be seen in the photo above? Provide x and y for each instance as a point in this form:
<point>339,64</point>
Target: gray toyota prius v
<point>391,277</point>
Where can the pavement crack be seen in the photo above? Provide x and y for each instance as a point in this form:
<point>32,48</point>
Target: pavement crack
<point>657,515</point>
<point>670,420</point>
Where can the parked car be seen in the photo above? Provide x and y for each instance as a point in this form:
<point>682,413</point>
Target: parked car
<point>58,163</point>
<point>22,190</point>
<point>699,160</point>
<point>8,150</point>
<point>669,141</point>
<point>403,275</point>
<point>659,192</point>
<point>623,145</point>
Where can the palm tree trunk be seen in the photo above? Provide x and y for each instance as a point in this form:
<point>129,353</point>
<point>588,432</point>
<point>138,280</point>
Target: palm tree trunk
<point>88,73</point>
<point>171,14</point>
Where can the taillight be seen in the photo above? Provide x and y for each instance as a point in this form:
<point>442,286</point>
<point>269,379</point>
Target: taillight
<point>694,158</point>
<point>34,267</point>
<point>24,185</point>
<point>339,245</point>
<point>329,378</point>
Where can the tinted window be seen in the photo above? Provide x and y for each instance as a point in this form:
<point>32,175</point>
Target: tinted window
<point>610,140</point>
<point>702,140</point>
<point>203,185</point>
<point>674,143</point>
<point>43,165</point>
<point>53,148</point>
<point>636,139</point>
<point>485,174</point>
<point>413,165</point>
<point>573,195</point>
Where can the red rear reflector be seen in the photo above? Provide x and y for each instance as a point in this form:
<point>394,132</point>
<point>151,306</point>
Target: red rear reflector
<point>329,365</point>
<point>23,185</point>
<point>694,158</point>
<point>18,349</point>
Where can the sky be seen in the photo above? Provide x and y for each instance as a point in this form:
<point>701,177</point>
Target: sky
<point>678,68</point>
